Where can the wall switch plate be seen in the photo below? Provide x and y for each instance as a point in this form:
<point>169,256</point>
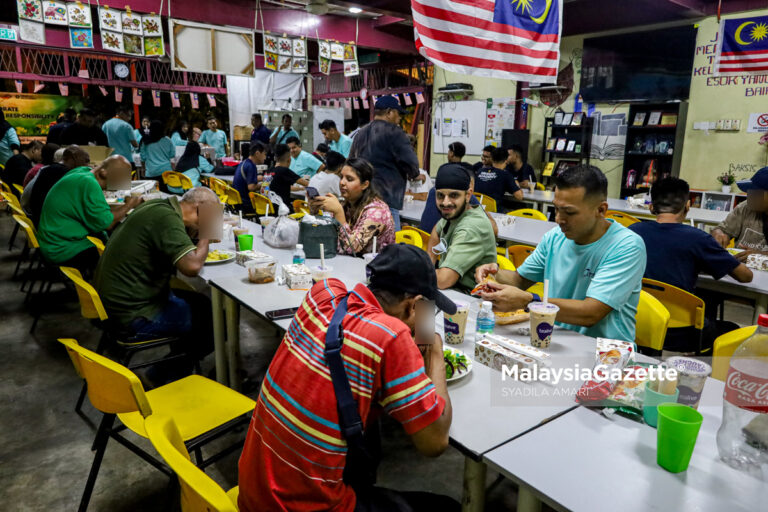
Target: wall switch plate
<point>736,124</point>
<point>720,124</point>
<point>727,124</point>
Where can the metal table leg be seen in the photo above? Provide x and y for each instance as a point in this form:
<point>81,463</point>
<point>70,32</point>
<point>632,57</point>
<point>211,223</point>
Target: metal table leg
<point>232,312</point>
<point>761,307</point>
<point>527,501</point>
<point>219,336</point>
<point>473,496</point>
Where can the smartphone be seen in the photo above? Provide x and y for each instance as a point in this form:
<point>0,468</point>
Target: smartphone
<point>312,193</point>
<point>279,314</point>
<point>425,322</point>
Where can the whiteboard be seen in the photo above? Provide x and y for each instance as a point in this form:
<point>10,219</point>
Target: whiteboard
<point>473,111</point>
<point>321,114</point>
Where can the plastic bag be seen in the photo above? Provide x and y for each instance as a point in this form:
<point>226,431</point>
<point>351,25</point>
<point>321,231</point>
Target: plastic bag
<point>282,233</point>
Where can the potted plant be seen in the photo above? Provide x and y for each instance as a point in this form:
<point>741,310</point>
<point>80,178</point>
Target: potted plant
<point>726,180</point>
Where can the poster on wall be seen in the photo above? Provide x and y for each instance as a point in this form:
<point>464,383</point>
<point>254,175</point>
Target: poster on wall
<point>758,123</point>
<point>55,13</point>
<point>112,41</point>
<point>79,15</point>
<point>80,37</point>
<point>324,49</point>
<point>32,32</point>
<point>337,51</point>
<point>325,66</point>
<point>30,10</point>
<point>110,19</point>
<point>351,68</point>
<point>33,114</point>
<point>500,115</point>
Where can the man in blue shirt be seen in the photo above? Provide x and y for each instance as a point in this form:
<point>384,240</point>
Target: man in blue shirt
<point>247,177</point>
<point>678,253</point>
<point>120,134</point>
<point>260,132</point>
<point>594,266</point>
<point>485,159</point>
<point>337,141</point>
<point>215,138</point>
<point>495,181</point>
<point>302,163</point>
<point>281,134</point>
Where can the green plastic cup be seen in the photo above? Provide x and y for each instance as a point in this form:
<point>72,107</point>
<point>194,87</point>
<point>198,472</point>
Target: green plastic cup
<point>652,400</point>
<point>678,428</point>
<point>245,242</point>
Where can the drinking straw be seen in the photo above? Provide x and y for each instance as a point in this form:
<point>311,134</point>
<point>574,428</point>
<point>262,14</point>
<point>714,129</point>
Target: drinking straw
<point>546,291</point>
<point>374,245</point>
<point>322,256</point>
<point>240,225</point>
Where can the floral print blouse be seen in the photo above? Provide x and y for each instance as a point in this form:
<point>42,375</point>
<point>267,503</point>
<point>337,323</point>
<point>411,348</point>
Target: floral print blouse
<point>375,219</point>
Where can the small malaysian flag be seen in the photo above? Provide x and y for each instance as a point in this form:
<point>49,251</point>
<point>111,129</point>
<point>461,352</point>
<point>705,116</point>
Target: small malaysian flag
<point>19,85</point>
<point>118,94</point>
<point>103,90</point>
<point>356,103</point>
<point>194,100</point>
<point>137,96</point>
<point>39,86</point>
<point>63,89</point>
<point>175,100</point>
<point>156,98</point>
<point>211,100</point>
<point>743,47</point>
<point>408,100</point>
<point>518,39</point>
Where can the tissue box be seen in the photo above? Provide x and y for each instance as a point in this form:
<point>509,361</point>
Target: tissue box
<point>242,257</point>
<point>297,276</point>
<point>757,261</point>
<point>495,356</point>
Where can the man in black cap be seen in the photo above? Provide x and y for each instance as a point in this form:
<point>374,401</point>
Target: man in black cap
<point>464,236</point>
<point>385,145</point>
<point>747,224</point>
<point>296,436</point>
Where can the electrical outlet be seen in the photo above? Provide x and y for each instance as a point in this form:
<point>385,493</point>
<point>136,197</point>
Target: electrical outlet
<point>736,124</point>
<point>727,124</point>
<point>720,124</point>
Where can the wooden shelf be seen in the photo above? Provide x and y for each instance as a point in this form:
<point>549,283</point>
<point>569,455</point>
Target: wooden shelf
<point>659,127</point>
<point>654,155</point>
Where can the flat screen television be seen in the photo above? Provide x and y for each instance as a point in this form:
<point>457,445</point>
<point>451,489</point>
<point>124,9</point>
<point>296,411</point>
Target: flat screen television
<point>641,66</point>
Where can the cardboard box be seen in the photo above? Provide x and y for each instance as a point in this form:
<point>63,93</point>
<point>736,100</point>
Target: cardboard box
<point>297,277</point>
<point>244,256</point>
<point>495,356</point>
<point>98,153</point>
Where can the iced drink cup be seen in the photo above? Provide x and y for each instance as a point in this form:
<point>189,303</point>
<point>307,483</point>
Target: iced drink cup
<point>454,325</point>
<point>691,376</point>
<point>542,323</point>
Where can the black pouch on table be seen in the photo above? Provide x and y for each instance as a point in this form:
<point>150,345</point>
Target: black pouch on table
<point>311,235</point>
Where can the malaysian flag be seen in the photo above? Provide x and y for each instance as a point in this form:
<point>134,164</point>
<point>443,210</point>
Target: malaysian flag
<point>510,39</point>
<point>743,47</point>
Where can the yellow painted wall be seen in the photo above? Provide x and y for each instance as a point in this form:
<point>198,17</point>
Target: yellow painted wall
<point>705,156</point>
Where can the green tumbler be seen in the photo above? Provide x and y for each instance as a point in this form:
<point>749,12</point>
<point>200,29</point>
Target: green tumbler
<point>651,402</point>
<point>245,242</point>
<point>677,430</point>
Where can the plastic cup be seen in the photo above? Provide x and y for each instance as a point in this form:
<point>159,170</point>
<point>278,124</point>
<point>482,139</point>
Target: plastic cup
<point>455,325</point>
<point>542,323</point>
<point>320,273</point>
<point>236,232</point>
<point>651,402</point>
<point>691,375</point>
<point>368,257</point>
<point>676,436</point>
<point>245,242</point>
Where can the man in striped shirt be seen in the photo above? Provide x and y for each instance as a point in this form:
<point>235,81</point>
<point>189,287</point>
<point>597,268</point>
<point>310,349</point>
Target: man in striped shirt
<point>295,454</point>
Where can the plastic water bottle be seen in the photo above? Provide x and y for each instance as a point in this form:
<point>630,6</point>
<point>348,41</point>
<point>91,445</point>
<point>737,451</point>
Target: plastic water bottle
<point>486,320</point>
<point>298,255</point>
<point>740,440</point>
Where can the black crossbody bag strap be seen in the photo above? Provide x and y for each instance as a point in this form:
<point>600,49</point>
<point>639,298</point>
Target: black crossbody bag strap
<point>360,469</point>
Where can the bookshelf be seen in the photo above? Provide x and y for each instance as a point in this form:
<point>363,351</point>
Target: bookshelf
<point>654,144</point>
<point>716,200</point>
<point>567,142</point>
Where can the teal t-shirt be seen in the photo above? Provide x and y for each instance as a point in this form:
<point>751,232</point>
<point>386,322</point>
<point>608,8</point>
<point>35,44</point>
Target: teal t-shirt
<point>137,135</point>
<point>217,140</point>
<point>282,135</point>
<point>9,139</point>
<point>609,270</point>
<point>177,140</point>
<point>157,157</point>
<point>120,134</point>
<point>305,165</point>
<point>342,146</point>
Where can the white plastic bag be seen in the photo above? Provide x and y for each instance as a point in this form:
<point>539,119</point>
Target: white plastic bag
<point>282,233</point>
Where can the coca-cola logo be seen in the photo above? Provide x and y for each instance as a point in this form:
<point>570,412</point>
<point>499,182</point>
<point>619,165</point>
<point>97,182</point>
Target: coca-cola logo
<point>746,391</point>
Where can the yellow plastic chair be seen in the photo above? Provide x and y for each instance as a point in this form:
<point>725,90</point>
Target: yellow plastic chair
<point>519,253</point>
<point>217,185</point>
<point>724,347</point>
<point>622,218</point>
<point>4,186</point>
<point>30,250</point>
<point>651,322</point>
<point>685,309</point>
<point>98,243</point>
<point>178,180</point>
<point>297,216</point>
<point>232,197</point>
<point>537,288</point>
<point>529,213</point>
<point>540,186</point>
<point>423,235</point>
<point>197,404</point>
<point>261,204</point>
<point>407,237</point>
<point>488,203</point>
<point>300,206</point>
<point>199,492</point>
<point>504,263</point>
<point>18,188</point>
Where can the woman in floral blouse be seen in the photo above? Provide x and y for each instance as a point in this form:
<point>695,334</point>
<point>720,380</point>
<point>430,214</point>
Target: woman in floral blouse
<point>364,215</point>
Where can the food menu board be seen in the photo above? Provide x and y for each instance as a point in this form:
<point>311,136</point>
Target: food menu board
<point>285,54</point>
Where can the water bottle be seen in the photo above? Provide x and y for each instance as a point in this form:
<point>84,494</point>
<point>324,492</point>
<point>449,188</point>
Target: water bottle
<point>740,440</point>
<point>486,320</point>
<point>298,255</point>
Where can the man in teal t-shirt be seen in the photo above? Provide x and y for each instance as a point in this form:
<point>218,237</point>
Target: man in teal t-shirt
<point>302,163</point>
<point>215,138</point>
<point>281,134</point>
<point>595,266</point>
<point>75,208</point>
<point>337,141</point>
<point>119,133</point>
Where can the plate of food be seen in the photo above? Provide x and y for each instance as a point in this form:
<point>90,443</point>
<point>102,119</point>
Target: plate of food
<point>511,317</point>
<point>457,364</point>
<point>215,257</point>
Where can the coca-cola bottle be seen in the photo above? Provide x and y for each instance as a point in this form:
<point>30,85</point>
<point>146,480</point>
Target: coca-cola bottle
<point>743,436</point>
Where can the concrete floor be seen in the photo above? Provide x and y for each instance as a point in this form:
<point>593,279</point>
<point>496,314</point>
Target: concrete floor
<point>45,451</point>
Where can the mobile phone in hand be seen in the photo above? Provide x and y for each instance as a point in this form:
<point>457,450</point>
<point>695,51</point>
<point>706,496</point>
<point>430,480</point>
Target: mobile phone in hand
<point>312,193</point>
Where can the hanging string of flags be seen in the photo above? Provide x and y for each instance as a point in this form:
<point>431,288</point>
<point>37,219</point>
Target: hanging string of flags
<point>357,104</point>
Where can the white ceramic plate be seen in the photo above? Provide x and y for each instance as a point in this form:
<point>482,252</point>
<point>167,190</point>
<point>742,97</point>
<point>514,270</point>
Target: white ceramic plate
<point>230,257</point>
<point>460,374</point>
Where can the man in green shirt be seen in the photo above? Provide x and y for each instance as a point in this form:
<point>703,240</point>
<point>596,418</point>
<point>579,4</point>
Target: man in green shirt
<point>134,273</point>
<point>464,237</point>
<point>75,208</point>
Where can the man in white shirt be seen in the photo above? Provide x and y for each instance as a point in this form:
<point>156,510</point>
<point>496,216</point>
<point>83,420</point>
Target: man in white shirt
<point>327,181</point>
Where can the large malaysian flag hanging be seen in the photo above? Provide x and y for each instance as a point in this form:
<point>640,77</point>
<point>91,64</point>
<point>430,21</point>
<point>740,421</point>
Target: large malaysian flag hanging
<point>509,39</point>
<point>743,47</point>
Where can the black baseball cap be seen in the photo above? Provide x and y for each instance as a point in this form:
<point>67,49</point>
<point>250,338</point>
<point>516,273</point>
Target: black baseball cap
<point>407,268</point>
<point>386,102</point>
<point>758,182</point>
